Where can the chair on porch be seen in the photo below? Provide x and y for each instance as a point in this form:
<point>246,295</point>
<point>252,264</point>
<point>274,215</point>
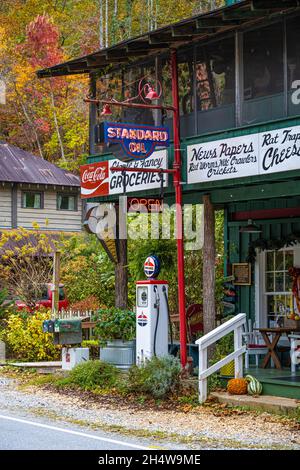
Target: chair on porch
<point>254,343</point>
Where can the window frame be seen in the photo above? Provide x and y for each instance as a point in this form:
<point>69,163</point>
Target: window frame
<point>30,191</point>
<point>274,293</point>
<point>67,195</point>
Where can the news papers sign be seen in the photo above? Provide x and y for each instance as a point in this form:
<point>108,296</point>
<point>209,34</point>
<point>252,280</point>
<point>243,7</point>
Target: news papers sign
<point>248,155</point>
<point>98,179</point>
<point>137,141</point>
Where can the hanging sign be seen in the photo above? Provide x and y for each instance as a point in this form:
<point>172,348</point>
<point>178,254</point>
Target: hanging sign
<point>98,179</point>
<point>242,274</point>
<point>248,155</point>
<point>137,141</point>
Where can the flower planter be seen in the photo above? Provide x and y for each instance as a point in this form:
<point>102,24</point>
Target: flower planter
<point>119,353</point>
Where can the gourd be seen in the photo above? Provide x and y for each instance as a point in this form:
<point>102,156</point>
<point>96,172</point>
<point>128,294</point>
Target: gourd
<point>254,387</point>
<point>237,386</point>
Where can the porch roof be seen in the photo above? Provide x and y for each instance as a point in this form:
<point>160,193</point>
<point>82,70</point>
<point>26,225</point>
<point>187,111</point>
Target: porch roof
<point>194,29</point>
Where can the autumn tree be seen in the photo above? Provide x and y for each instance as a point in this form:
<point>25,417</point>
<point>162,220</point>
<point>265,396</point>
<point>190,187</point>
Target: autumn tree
<point>26,263</point>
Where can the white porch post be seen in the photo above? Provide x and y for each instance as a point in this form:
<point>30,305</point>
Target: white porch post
<point>238,361</point>
<point>202,382</point>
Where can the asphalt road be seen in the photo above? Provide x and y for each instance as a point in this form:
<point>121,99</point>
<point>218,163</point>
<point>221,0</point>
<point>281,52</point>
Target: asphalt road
<point>22,433</point>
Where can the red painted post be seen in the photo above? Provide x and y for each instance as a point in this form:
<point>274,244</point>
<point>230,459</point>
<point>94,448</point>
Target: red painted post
<point>179,215</point>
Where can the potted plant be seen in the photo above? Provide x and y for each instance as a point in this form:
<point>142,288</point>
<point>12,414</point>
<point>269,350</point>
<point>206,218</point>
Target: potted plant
<point>116,328</point>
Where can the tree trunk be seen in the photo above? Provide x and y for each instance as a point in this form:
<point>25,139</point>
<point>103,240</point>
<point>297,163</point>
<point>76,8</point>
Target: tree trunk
<point>121,276</point>
<point>209,308</point>
<point>101,42</point>
<point>60,141</point>
<point>106,24</point>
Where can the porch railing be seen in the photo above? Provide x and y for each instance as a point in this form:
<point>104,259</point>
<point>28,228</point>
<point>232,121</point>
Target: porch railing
<point>234,324</point>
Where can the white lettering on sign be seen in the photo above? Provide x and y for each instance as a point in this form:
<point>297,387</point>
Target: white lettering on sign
<point>248,155</point>
<point>138,181</point>
<point>98,174</point>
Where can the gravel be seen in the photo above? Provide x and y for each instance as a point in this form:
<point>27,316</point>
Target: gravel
<point>203,426</point>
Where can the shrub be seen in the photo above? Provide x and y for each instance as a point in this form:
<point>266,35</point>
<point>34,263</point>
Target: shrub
<point>115,323</point>
<point>91,374</point>
<point>93,346</point>
<point>25,338</point>
<point>159,377</point>
<point>89,303</point>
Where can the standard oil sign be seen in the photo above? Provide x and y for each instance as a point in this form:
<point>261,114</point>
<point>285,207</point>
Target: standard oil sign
<point>137,141</point>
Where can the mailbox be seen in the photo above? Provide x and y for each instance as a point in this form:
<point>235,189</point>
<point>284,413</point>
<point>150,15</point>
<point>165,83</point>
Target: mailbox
<point>48,326</point>
<point>67,331</point>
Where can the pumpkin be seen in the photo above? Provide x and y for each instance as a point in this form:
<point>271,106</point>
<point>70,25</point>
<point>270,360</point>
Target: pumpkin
<point>254,386</point>
<point>237,386</point>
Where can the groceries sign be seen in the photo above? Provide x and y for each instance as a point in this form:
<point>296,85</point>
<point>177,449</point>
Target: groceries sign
<point>137,142</point>
<point>248,155</point>
<point>98,179</point>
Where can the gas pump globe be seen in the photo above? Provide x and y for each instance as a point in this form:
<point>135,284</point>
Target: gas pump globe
<point>152,313</point>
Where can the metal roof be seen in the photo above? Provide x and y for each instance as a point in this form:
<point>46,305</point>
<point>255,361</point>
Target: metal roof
<point>18,166</point>
<point>197,28</point>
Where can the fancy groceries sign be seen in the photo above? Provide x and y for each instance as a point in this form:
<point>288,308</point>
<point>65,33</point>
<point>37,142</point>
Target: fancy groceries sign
<point>98,179</point>
<point>248,155</point>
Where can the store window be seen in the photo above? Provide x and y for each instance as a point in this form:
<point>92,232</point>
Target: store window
<point>293,64</point>
<point>215,85</point>
<point>278,286</point>
<point>66,202</point>
<point>32,200</point>
<point>263,74</point>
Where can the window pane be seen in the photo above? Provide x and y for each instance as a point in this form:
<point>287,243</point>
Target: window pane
<point>279,265</point>
<point>270,261</point>
<point>293,60</point>
<point>32,200</point>
<point>288,282</point>
<point>37,201</point>
<point>279,282</point>
<point>270,282</point>
<point>289,260</point>
<point>71,203</point>
<point>66,203</point>
<point>263,74</point>
<point>263,65</point>
<point>215,86</point>
<point>215,74</point>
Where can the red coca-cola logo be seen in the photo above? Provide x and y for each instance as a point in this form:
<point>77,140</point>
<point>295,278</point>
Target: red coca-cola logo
<point>94,180</point>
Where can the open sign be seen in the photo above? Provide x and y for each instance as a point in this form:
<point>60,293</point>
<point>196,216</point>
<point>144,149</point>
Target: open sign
<point>144,204</point>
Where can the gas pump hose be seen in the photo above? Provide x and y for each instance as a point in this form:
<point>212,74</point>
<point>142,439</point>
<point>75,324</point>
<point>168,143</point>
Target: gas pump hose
<point>157,319</point>
<point>168,310</point>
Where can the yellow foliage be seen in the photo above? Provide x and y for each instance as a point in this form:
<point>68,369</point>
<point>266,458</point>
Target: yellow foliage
<point>26,339</point>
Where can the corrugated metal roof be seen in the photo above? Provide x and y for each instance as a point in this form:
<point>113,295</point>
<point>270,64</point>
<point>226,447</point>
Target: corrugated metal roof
<point>18,166</point>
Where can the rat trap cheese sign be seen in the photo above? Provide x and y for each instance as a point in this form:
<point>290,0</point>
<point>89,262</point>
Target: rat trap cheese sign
<point>137,141</point>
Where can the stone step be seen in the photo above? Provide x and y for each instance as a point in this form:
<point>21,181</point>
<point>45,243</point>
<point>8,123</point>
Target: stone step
<point>280,405</point>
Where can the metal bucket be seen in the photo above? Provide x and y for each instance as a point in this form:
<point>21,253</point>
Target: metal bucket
<point>119,353</point>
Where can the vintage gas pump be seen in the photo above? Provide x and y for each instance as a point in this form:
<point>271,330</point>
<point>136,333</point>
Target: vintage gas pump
<point>152,313</point>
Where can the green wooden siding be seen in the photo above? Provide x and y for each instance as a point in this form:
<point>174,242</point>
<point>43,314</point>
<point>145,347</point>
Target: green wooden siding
<point>238,243</point>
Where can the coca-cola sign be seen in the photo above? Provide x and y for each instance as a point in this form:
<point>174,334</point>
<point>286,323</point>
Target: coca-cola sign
<point>94,179</point>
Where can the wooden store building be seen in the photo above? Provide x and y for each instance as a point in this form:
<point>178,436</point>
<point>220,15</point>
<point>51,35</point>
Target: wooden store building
<point>239,96</point>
